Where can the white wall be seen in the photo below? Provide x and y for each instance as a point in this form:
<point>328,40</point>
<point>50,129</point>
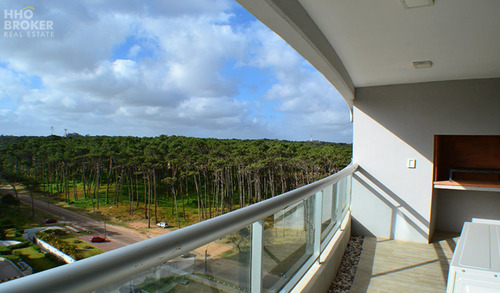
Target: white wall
<point>462,206</point>
<point>395,123</point>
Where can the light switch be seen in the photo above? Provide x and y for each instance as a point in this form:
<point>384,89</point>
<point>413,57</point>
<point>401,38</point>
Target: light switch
<point>412,163</point>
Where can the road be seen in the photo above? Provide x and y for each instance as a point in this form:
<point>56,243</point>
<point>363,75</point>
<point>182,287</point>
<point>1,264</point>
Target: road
<point>118,236</point>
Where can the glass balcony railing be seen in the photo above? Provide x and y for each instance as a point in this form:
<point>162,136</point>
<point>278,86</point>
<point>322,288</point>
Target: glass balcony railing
<point>266,247</point>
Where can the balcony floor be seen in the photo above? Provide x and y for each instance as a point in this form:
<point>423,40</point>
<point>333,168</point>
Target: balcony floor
<point>398,266</point>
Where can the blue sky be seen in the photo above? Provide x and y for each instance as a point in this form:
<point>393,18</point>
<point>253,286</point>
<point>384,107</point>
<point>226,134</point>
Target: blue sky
<point>203,68</point>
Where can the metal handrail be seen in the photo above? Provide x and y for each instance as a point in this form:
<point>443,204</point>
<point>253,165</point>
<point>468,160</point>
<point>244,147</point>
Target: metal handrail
<point>101,270</point>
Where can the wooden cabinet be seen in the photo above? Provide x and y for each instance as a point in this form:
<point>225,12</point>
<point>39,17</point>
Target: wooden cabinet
<point>467,161</point>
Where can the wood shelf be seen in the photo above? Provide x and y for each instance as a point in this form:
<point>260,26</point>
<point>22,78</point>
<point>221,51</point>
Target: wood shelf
<point>478,185</point>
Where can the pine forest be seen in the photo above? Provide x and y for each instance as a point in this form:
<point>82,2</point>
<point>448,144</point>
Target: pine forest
<point>181,180</point>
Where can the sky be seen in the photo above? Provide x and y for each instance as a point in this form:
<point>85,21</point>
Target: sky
<point>201,68</point>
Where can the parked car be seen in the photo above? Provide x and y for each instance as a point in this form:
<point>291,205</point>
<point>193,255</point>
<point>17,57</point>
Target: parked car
<point>96,239</point>
<point>50,221</point>
<point>188,255</point>
<point>162,225</point>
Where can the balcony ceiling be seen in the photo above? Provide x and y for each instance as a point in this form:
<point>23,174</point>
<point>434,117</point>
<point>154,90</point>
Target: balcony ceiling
<point>375,42</point>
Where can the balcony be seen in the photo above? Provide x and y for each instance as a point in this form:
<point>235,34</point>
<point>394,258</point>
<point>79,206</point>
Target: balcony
<point>293,242</point>
<point>286,243</point>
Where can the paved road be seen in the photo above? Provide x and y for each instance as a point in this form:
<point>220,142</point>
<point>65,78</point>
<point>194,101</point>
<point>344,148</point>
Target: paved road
<point>118,236</point>
<point>8,270</point>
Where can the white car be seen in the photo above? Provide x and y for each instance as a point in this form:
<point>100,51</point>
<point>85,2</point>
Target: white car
<point>162,224</point>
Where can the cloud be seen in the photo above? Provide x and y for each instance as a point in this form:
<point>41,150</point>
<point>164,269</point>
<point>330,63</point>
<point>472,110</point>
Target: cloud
<point>13,84</point>
<point>199,68</point>
<point>307,102</point>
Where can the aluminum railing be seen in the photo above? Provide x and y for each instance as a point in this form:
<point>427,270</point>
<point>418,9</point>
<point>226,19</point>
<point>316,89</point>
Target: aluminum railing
<point>266,247</point>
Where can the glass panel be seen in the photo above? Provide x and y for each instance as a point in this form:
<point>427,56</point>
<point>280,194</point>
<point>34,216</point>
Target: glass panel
<point>288,243</point>
<point>341,195</point>
<point>220,266</point>
<point>328,213</point>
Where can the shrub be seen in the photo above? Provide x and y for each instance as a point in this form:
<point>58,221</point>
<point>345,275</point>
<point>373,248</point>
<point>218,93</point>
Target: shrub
<point>47,237</point>
<point>13,258</point>
<point>6,224</point>
<point>53,258</point>
<point>23,244</point>
<point>77,256</point>
<point>59,232</point>
<point>5,250</point>
<point>50,237</point>
<point>9,200</point>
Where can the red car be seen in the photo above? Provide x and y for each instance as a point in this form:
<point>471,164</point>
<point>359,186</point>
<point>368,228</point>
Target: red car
<point>50,221</point>
<point>96,239</point>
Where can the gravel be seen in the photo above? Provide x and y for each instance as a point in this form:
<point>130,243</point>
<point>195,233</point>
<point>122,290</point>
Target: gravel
<point>348,266</point>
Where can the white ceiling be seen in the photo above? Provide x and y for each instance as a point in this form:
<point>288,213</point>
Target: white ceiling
<point>377,40</point>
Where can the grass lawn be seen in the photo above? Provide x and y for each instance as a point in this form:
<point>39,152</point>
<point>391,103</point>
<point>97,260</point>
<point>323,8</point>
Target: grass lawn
<point>39,261</point>
<point>85,249</point>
